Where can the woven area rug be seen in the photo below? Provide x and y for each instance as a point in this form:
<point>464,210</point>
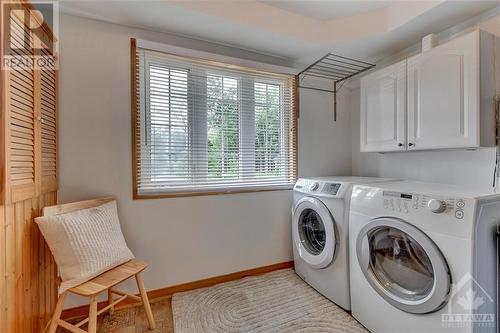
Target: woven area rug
<point>275,302</point>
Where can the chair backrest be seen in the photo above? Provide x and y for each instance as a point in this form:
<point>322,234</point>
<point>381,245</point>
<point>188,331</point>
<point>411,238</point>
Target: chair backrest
<point>73,206</point>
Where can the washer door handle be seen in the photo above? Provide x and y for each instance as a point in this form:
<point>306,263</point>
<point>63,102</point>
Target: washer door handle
<point>364,253</point>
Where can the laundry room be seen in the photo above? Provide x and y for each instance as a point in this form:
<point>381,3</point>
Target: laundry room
<point>249,166</point>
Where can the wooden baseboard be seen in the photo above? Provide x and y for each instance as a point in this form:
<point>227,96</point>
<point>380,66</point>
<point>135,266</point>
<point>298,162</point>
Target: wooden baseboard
<point>82,311</point>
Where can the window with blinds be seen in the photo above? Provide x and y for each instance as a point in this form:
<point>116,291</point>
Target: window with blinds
<point>205,127</point>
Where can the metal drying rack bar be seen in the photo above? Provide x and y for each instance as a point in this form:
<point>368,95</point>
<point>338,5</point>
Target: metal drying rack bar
<point>336,68</point>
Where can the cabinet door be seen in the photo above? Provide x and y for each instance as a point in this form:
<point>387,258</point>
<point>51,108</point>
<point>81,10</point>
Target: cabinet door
<point>443,104</point>
<point>383,110</point>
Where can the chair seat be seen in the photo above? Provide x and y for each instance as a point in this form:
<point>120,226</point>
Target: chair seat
<point>109,278</point>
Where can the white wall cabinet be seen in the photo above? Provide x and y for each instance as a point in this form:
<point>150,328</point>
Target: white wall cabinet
<point>443,96</point>
<point>447,99</point>
<point>383,109</point>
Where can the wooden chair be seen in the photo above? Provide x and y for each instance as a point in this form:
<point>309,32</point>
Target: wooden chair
<point>101,283</point>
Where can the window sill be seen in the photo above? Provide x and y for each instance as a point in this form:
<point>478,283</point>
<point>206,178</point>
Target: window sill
<point>159,195</point>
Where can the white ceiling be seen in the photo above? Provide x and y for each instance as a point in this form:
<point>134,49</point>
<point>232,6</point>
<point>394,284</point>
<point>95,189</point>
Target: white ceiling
<point>326,10</point>
<point>291,33</point>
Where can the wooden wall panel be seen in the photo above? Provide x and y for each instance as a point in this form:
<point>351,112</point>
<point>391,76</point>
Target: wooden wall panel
<point>3,284</point>
<point>28,289</point>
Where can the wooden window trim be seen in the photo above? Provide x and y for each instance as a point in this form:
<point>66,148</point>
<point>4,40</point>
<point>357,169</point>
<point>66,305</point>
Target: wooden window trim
<point>133,93</point>
<point>159,195</point>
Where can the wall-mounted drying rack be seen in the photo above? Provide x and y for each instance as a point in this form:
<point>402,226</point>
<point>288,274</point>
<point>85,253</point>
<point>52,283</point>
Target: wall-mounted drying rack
<point>336,68</point>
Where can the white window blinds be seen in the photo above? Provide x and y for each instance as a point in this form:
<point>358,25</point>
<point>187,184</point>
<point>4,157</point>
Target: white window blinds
<point>205,127</point>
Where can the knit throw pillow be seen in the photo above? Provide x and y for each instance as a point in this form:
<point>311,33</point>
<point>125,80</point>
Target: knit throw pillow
<point>85,243</point>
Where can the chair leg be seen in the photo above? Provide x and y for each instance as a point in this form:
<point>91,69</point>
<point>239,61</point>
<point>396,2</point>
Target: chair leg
<point>92,327</point>
<point>145,301</point>
<point>57,313</point>
<point>110,300</point>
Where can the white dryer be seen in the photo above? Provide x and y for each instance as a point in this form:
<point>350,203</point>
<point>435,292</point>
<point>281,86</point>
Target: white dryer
<point>320,233</point>
<point>423,258</point>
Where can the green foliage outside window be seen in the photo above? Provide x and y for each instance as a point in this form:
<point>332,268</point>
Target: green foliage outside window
<point>267,129</point>
<point>223,127</point>
<point>169,131</point>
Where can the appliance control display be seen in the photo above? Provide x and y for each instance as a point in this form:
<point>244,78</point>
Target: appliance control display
<point>397,195</point>
<point>331,188</point>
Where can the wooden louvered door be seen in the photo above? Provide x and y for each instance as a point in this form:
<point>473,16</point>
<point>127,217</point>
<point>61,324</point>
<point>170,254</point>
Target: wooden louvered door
<point>28,154</point>
<point>48,126</point>
<point>30,121</point>
<point>21,112</point>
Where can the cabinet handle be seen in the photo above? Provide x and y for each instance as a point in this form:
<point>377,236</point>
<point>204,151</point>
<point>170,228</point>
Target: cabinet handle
<point>400,145</point>
<point>411,144</point>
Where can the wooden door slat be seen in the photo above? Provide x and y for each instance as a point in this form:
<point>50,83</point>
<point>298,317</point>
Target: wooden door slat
<point>22,97</point>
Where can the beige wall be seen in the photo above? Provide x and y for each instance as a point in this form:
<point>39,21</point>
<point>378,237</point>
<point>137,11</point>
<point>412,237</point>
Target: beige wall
<point>324,145</point>
<point>183,239</point>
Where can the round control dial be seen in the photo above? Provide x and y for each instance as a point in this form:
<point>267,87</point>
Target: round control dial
<point>436,206</point>
<point>314,186</point>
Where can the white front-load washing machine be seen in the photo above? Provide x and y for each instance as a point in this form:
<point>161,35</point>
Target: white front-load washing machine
<point>423,258</point>
<point>320,233</point>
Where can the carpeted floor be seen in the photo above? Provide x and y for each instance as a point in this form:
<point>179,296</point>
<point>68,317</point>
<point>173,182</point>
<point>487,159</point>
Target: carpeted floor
<point>275,302</point>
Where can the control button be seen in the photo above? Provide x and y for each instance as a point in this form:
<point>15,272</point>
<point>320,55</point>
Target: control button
<point>436,206</point>
<point>314,186</point>
<point>459,214</point>
<point>460,204</point>
<point>386,203</point>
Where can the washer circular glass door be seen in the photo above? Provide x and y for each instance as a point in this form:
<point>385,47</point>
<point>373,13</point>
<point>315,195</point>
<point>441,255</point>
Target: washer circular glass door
<point>403,265</point>
<point>314,233</point>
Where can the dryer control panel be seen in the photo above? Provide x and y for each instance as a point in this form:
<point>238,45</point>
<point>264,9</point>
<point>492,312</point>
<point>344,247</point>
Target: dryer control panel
<point>319,187</point>
<point>406,202</point>
<point>434,212</point>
